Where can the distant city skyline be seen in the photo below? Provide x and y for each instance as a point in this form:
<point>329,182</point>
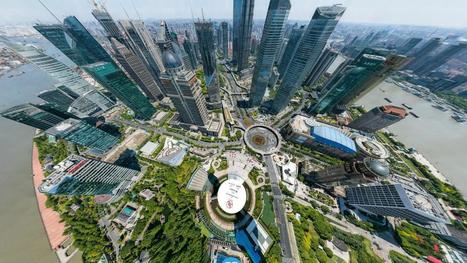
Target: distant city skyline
<point>416,12</point>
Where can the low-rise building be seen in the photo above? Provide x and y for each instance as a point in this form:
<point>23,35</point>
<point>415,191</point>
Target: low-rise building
<point>173,152</point>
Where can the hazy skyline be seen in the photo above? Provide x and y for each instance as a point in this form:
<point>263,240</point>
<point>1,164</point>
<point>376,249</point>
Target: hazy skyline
<point>414,12</point>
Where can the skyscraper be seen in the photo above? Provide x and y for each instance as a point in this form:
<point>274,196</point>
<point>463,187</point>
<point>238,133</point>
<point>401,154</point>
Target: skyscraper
<point>273,31</point>
<point>408,45</point>
<point>142,44</point>
<point>378,118</point>
<point>306,54</point>
<point>189,48</point>
<point>137,70</point>
<point>325,60</point>
<point>183,89</point>
<point>357,78</point>
<point>294,38</point>
<point>106,21</point>
<point>225,39</point>
<point>114,80</point>
<point>73,40</point>
<point>348,81</point>
<point>205,33</point>
<point>57,97</point>
<point>84,134</point>
<point>77,175</point>
<point>34,116</point>
<point>242,25</point>
<point>420,55</point>
<point>435,61</point>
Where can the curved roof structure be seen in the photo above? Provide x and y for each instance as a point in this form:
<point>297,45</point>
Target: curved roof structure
<point>333,138</point>
<point>262,139</point>
<point>377,167</point>
<point>170,60</point>
<point>231,196</point>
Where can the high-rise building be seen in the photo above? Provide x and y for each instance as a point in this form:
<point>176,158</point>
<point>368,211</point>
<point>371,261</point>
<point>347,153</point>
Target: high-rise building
<point>225,39</point>
<point>435,61</point>
<point>189,48</point>
<point>137,70</point>
<point>294,38</point>
<point>378,118</point>
<point>205,33</point>
<point>241,30</point>
<point>142,44</point>
<point>183,89</point>
<point>420,55</point>
<point>357,78</point>
<point>74,40</point>
<point>397,200</point>
<point>84,134</point>
<point>325,60</point>
<point>68,81</point>
<point>408,45</point>
<point>80,176</point>
<point>353,172</point>
<point>306,54</point>
<point>115,81</point>
<point>34,115</point>
<point>57,97</point>
<point>273,31</point>
<point>106,21</point>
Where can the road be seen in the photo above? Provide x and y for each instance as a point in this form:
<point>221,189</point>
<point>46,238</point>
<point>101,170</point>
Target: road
<point>279,210</point>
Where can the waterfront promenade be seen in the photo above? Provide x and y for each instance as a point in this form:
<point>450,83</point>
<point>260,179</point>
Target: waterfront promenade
<point>50,219</point>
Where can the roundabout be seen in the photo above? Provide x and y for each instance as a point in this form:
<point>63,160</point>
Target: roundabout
<point>262,139</point>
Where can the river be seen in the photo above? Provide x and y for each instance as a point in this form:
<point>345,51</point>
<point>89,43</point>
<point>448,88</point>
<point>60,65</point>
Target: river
<point>437,136</point>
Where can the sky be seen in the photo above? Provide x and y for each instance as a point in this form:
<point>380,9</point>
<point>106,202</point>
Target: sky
<point>438,13</point>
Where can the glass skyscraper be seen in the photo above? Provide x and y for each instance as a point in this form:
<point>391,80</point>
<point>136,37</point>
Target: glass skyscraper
<point>57,97</point>
<point>189,48</point>
<point>34,115</point>
<point>225,39</point>
<point>242,25</point>
<point>115,80</point>
<point>294,38</point>
<point>325,60</point>
<point>307,53</point>
<point>271,40</point>
<point>107,22</point>
<point>74,40</point>
<point>205,33</point>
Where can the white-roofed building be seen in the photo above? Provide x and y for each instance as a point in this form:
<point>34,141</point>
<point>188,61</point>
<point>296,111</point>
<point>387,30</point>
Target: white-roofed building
<point>259,236</point>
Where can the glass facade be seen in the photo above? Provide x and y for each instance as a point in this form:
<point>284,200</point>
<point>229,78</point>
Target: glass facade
<point>242,25</point>
<point>34,116</point>
<point>57,97</point>
<point>307,53</point>
<point>115,80</point>
<point>292,43</point>
<point>271,40</point>
<point>225,39</point>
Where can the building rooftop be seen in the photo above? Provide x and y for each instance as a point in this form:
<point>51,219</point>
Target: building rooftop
<point>377,167</point>
<point>259,236</point>
<point>394,110</point>
<point>231,196</point>
<point>334,138</point>
<point>371,147</point>
<point>149,148</point>
<point>173,152</point>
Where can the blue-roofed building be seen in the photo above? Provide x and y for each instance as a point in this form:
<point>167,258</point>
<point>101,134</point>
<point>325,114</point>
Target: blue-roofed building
<point>241,237</point>
<point>319,136</point>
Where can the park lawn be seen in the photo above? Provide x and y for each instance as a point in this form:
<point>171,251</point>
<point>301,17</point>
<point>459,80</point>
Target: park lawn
<point>268,213</point>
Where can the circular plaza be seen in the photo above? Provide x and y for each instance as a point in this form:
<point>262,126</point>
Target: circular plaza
<point>262,139</point>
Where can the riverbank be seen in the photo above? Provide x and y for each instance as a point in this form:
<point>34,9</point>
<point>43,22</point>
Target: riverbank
<point>50,219</point>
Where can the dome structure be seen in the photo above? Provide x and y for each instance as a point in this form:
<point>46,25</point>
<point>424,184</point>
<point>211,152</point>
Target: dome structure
<point>377,167</point>
<point>170,60</point>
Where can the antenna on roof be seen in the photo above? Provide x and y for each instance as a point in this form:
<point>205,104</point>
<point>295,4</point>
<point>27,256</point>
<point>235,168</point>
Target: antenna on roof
<point>136,10</point>
<point>49,11</point>
<point>202,13</point>
<point>191,10</point>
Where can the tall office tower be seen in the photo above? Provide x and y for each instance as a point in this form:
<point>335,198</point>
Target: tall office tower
<point>142,44</point>
<point>347,81</point>
<point>219,38</point>
<point>325,60</point>
<point>410,202</point>
<point>420,55</point>
<point>294,38</point>
<point>225,39</point>
<point>115,81</point>
<point>57,97</point>
<point>378,118</point>
<point>106,21</point>
<point>254,46</point>
<point>73,40</point>
<point>137,70</point>
<point>271,40</point>
<point>359,77</point>
<point>242,25</point>
<point>183,89</point>
<point>408,45</point>
<point>353,172</point>
<point>280,52</point>
<point>84,134</point>
<point>307,53</point>
<point>205,33</point>
<point>80,176</point>
<point>435,61</point>
<point>34,115</point>
<point>189,48</point>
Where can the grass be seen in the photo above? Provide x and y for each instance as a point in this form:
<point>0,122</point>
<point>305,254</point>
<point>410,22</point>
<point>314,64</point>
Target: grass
<point>397,257</point>
<point>268,213</point>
